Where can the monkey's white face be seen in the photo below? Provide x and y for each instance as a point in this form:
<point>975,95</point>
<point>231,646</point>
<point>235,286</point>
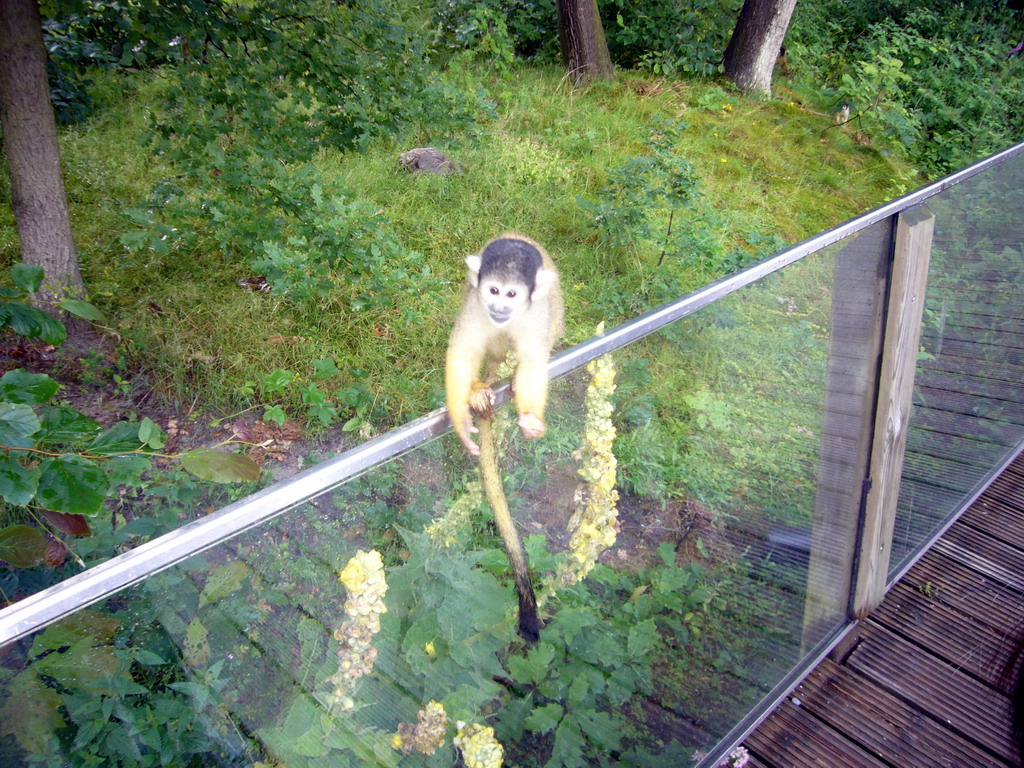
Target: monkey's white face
<point>503,299</point>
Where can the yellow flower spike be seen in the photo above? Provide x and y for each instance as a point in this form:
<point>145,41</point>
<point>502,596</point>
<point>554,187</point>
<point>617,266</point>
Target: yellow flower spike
<point>594,524</point>
<point>429,732</point>
<point>444,530</point>
<point>363,577</point>
<point>479,747</point>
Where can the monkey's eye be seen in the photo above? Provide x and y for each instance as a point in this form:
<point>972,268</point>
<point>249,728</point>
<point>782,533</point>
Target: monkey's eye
<point>511,294</point>
<point>494,290</point>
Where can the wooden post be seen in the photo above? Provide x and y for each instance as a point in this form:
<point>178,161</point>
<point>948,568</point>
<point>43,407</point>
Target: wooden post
<point>908,284</point>
<point>860,279</point>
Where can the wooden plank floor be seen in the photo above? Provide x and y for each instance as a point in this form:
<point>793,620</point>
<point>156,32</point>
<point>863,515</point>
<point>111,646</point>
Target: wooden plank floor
<point>921,683</point>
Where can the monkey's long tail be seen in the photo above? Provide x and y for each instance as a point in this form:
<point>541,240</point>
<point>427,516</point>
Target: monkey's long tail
<point>490,474</point>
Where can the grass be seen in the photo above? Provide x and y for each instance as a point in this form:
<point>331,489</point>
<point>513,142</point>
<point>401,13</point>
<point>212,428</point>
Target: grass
<point>768,167</point>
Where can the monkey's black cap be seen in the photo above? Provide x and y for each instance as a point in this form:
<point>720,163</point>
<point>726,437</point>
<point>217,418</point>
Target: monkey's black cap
<point>509,257</point>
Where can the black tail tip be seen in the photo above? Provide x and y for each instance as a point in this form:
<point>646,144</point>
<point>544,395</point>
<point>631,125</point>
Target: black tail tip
<point>529,629</point>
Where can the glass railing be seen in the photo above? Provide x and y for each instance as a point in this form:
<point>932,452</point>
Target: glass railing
<point>363,613</point>
<point>969,389</point>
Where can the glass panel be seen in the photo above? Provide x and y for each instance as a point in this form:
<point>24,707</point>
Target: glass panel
<point>969,388</point>
<point>729,563</point>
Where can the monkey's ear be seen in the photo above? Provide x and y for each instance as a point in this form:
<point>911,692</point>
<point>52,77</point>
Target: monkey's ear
<point>542,283</point>
<point>473,264</point>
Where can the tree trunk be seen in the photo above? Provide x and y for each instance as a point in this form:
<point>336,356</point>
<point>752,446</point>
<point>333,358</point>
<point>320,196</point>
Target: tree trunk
<point>581,36</point>
<point>33,159</point>
<point>756,42</point>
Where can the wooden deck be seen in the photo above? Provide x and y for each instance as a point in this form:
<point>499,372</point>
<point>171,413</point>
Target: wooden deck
<point>921,683</point>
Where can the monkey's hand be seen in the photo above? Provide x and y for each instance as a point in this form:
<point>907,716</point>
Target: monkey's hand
<point>532,426</point>
<point>464,437</point>
<point>481,403</point>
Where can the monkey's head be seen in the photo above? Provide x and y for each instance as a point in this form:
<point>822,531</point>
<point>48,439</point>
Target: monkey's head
<point>509,275</point>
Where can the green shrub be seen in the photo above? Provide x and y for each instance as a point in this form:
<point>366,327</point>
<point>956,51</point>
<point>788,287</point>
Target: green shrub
<point>243,123</point>
<point>471,24</point>
<point>935,81</point>
<point>668,38</point>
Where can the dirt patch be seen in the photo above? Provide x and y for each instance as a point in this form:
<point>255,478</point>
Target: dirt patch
<point>644,524</point>
<point>96,381</point>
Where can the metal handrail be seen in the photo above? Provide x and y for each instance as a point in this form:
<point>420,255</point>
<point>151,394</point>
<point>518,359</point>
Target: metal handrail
<point>101,581</point>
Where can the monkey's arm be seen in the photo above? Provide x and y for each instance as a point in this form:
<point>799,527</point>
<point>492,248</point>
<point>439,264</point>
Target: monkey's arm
<point>531,394</point>
<point>462,371</point>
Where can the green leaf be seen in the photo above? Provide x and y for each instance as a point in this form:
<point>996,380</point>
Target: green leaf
<point>642,638</point>
<point>313,395</point>
<point>578,690</point>
<point>544,719</point>
<point>197,645</point>
<point>700,595</point>
<point>31,714</point>
<point>223,581</point>
<point>568,747</point>
<point>72,485</point>
<point>30,321</point>
<point>22,546</point>
<point>62,424</point>
<point>28,277</point>
<point>127,470</point>
<point>325,414</point>
<point>123,437</point>
<point>275,413</point>
<point>533,669</point>
<point>148,658</point>
<point>82,309</point>
<point>303,729</point>
<point>667,553</point>
<point>220,466</point>
<point>17,483</point>
<point>570,622</point>
<point>51,330</point>
<point>85,666</point>
<point>277,381</point>
<point>24,319</point>
<point>151,435</point>
<point>27,388</point>
<point>601,729</point>
<point>312,638</point>
<point>17,425</point>
<point>325,367</point>
<point>601,648</point>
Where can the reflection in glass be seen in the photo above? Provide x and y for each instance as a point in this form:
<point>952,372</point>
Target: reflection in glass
<point>363,626</point>
<point>969,387</point>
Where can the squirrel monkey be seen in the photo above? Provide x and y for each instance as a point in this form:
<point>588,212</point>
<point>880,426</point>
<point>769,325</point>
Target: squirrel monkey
<point>512,301</point>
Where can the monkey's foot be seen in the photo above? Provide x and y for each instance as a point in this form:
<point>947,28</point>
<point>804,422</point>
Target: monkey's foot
<point>481,400</point>
<point>532,426</point>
